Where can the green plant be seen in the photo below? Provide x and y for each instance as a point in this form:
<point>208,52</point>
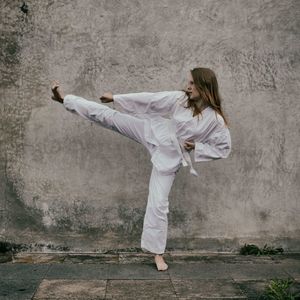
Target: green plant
<point>280,289</point>
<point>271,250</point>
<point>251,249</point>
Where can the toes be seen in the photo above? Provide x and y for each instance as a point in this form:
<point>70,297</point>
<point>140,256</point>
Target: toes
<point>162,267</point>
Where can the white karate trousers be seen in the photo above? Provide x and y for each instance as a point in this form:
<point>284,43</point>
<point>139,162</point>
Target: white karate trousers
<point>155,225</point>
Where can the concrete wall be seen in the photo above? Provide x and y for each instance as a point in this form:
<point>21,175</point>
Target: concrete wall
<point>66,182</point>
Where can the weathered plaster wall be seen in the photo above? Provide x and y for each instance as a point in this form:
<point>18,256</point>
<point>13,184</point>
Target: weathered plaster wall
<point>67,182</point>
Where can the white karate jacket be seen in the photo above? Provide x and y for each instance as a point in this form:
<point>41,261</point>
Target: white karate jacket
<point>170,124</point>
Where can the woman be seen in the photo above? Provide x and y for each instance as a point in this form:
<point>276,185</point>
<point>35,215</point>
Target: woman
<point>170,125</point>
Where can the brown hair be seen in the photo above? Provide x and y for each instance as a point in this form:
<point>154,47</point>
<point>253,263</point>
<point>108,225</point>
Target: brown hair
<point>207,85</point>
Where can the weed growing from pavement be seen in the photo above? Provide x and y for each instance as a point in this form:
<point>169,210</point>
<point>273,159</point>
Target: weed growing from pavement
<point>251,249</point>
<point>280,289</point>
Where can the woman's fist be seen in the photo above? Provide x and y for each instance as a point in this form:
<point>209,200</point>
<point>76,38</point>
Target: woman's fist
<point>57,93</point>
<point>107,97</point>
<point>189,146</point>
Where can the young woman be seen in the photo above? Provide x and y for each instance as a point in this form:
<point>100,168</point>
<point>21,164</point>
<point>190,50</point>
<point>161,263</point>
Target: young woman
<point>170,125</point>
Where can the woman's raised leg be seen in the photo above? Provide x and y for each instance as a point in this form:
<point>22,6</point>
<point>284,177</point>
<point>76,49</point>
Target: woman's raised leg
<point>127,125</point>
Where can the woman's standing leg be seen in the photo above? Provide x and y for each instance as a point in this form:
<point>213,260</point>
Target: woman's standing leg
<point>155,229</point>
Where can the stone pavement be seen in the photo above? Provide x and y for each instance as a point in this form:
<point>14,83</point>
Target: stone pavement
<point>190,275</point>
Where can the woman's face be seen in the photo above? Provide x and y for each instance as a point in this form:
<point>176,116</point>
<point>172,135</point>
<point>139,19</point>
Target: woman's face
<point>191,88</point>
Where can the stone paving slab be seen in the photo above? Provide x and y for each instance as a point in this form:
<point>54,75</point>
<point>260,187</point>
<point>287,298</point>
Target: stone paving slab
<point>71,289</point>
<point>292,267</point>
<point>207,288</point>
<point>140,289</point>
<point>256,271</point>
<point>228,277</point>
<point>186,257</point>
<point>253,289</point>
<point>116,289</point>
<point>200,270</point>
<point>134,289</point>
<point>77,271</point>
<point>17,289</point>
<point>229,271</point>
<point>135,271</point>
<point>20,271</point>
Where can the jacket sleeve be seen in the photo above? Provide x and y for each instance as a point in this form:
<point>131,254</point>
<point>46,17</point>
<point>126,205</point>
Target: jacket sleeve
<point>146,103</point>
<point>216,148</point>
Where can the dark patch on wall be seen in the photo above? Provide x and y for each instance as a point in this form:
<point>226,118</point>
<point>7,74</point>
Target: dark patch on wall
<point>16,215</point>
<point>264,215</point>
<point>24,8</point>
<point>19,216</point>
<point>15,26</point>
<point>133,219</point>
<point>9,58</point>
<point>72,217</point>
<point>7,246</point>
<point>199,216</point>
<point>177,217</point>
<point>206,243</point>
<point>78,219</point>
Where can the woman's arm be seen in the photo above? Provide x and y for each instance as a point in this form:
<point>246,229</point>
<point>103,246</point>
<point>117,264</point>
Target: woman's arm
<point>218,147</point>
<point>145,102</point>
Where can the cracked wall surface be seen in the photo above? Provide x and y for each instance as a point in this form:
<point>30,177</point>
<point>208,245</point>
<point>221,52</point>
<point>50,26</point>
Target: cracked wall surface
<point>67,182</point>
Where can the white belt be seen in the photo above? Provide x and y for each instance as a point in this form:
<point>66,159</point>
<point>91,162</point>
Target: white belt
<point>186,159</point>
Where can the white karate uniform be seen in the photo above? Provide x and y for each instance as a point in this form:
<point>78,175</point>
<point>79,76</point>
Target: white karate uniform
<point>161,123</point>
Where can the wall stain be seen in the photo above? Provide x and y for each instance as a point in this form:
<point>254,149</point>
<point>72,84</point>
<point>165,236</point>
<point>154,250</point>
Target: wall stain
<point>9,59</point>
<point>24,8</point>
<point>20,216</point>
<point>264,215</point>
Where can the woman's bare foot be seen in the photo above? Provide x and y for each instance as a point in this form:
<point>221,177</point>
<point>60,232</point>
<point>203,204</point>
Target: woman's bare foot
<point>57,93</point>
<point>160,263</point>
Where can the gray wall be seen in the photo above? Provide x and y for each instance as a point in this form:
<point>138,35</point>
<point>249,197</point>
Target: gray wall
<point>67,182</point>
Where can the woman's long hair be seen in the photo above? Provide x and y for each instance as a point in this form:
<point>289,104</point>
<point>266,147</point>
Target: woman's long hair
<point>206,84</point>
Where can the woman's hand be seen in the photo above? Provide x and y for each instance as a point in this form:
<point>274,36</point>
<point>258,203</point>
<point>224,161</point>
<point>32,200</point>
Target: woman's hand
<point>57,93</point>
<point>107,97</point>
<point>189,146</point>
